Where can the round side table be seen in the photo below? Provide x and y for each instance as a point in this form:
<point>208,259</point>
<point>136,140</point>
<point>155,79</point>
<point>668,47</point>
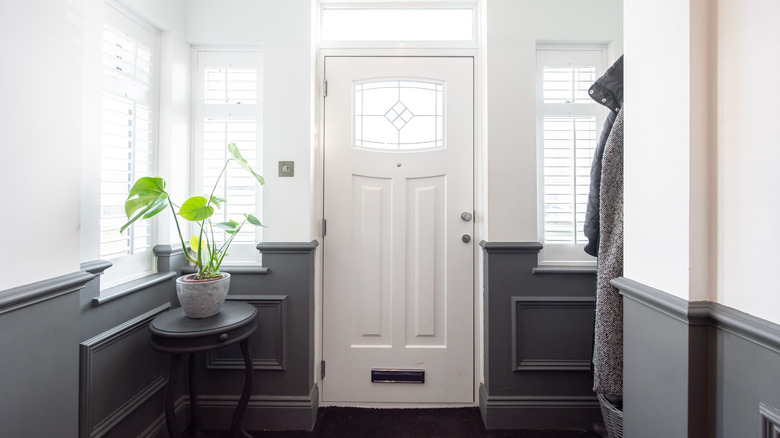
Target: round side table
<point>176,334</point>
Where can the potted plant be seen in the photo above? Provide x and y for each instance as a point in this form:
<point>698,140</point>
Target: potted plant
<point>201,294</point>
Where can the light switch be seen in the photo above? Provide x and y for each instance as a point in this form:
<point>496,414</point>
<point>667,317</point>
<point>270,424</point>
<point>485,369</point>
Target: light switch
<point>286,168</point>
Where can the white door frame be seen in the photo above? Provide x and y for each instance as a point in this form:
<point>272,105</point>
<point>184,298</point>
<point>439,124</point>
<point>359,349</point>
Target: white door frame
<point>479,184</point>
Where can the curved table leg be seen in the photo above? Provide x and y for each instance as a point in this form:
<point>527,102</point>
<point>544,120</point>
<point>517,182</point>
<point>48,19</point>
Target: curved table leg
<point>170,394</point>
<point>194,423</point>
<point>238,417</point>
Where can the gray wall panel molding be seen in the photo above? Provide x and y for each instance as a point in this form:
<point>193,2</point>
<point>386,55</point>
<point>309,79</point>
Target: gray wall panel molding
<point>270,337</point>
<point>546,338</point>
<point>93,370</point>
<point>671,305</point>
<point>34,293</point>
<point>287,247</point>
<point>770,421</point>
<point>749,327</point>
<point>96,267</point>
<point>128,288</point>
<point>538,412</point>
<point>511,247</point>
<point>170,258</point>
<point>167,250</point>
<point>263,412</point>
<point>541,270</point>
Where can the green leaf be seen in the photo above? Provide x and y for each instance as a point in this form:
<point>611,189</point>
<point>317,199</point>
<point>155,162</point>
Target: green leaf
<point>238,158</point>
<point>253,220</point>
<point>196,244</point>
<point>195,209</point>
<point>147,184</point>
<point>146,199</point>
<point>230,227</point>
<point>218,201</point>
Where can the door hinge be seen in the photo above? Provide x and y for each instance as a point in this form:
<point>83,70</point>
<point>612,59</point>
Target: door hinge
<point>324,88</point>
<point>322,369</point>
<point>324,227</point>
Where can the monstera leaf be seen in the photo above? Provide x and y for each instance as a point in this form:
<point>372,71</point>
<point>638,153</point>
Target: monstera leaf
<point>146,199</point>
<point>196,209</point>
<point>238,158</point>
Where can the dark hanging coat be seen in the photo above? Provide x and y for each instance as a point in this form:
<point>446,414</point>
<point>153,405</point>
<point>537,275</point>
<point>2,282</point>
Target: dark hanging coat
<point>608,91</point>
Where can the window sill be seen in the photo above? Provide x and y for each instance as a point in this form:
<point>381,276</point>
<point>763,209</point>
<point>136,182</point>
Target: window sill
<point>574,270</point>
<point>128,288</point>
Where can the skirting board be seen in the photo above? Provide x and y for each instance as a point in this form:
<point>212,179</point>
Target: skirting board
<point>262,413</point>
<point>553,413</point>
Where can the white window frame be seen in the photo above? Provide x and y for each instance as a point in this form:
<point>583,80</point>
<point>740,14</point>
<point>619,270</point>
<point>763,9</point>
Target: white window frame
<point>359,40</point>
<point>554,253</point>
<point>240,253</point>
<point>136,264</point>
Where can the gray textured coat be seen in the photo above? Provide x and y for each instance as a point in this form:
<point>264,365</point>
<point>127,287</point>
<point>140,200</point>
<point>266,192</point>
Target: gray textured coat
<point>608,336</point>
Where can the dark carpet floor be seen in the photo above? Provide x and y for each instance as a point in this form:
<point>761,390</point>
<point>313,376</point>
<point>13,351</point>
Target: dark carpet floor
<point>411,423</point>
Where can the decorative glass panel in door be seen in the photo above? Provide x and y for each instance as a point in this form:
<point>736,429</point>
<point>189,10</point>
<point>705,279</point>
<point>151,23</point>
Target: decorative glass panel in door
<point>399,115</point>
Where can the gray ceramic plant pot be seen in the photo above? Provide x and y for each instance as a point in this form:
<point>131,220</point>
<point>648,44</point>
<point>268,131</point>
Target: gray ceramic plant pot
<point>202,298</point>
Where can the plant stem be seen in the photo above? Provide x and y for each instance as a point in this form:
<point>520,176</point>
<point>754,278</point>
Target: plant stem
<point>178,229</point>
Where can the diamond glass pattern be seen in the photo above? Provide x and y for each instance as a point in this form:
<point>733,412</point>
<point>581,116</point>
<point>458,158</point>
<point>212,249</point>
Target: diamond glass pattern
<point>399,115</point>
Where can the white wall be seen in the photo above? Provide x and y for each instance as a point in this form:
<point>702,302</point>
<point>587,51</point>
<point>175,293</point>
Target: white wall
<point>40,139</point>
<point>657,144</point>
<point>282,29</point>
<point>700,156</point>
<point>513,30</point>
<point>49,127</point>
<point>749,155</point>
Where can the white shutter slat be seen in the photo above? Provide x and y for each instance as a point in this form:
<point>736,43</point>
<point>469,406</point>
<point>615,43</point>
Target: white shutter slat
<point>568,145</point>
<point>127,148</point>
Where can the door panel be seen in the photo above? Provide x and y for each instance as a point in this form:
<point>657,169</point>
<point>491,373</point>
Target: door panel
<point>398,278</point>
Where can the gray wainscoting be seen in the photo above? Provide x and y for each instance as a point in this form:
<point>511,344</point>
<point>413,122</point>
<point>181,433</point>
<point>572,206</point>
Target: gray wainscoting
<point>708,370</point>
<point>39,364</point>
<point>77,363</point>
<point>285,396</point>
<point>538,339</point>
<point>122,380</point>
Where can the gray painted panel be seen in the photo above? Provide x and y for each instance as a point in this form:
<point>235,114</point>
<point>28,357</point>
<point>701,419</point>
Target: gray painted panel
<point>39,364</point>
<point>747,376</point>
<point>655,373</point>
<point>538,340</point>
<point>285,295</point>
<point>542,325</point>
<point>113,384</point>
<point>269,343</point>
<point>708,370</point>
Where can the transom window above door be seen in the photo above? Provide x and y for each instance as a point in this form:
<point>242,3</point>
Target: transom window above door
<point>399,114</point>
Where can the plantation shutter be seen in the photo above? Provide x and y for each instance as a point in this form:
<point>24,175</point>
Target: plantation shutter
<point>228,111</point>
<point>568,130</point>
<point>128,140</point>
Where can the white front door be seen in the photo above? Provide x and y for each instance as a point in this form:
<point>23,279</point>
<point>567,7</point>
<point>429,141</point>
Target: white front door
<point>398,256</point>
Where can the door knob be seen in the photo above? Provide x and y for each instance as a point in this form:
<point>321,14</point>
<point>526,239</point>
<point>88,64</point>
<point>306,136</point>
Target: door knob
<point>466,216</point>
<point>466,238</point>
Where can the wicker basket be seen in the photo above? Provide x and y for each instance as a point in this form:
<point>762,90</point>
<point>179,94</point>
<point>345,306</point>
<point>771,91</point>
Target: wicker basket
<point>613,418</point>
